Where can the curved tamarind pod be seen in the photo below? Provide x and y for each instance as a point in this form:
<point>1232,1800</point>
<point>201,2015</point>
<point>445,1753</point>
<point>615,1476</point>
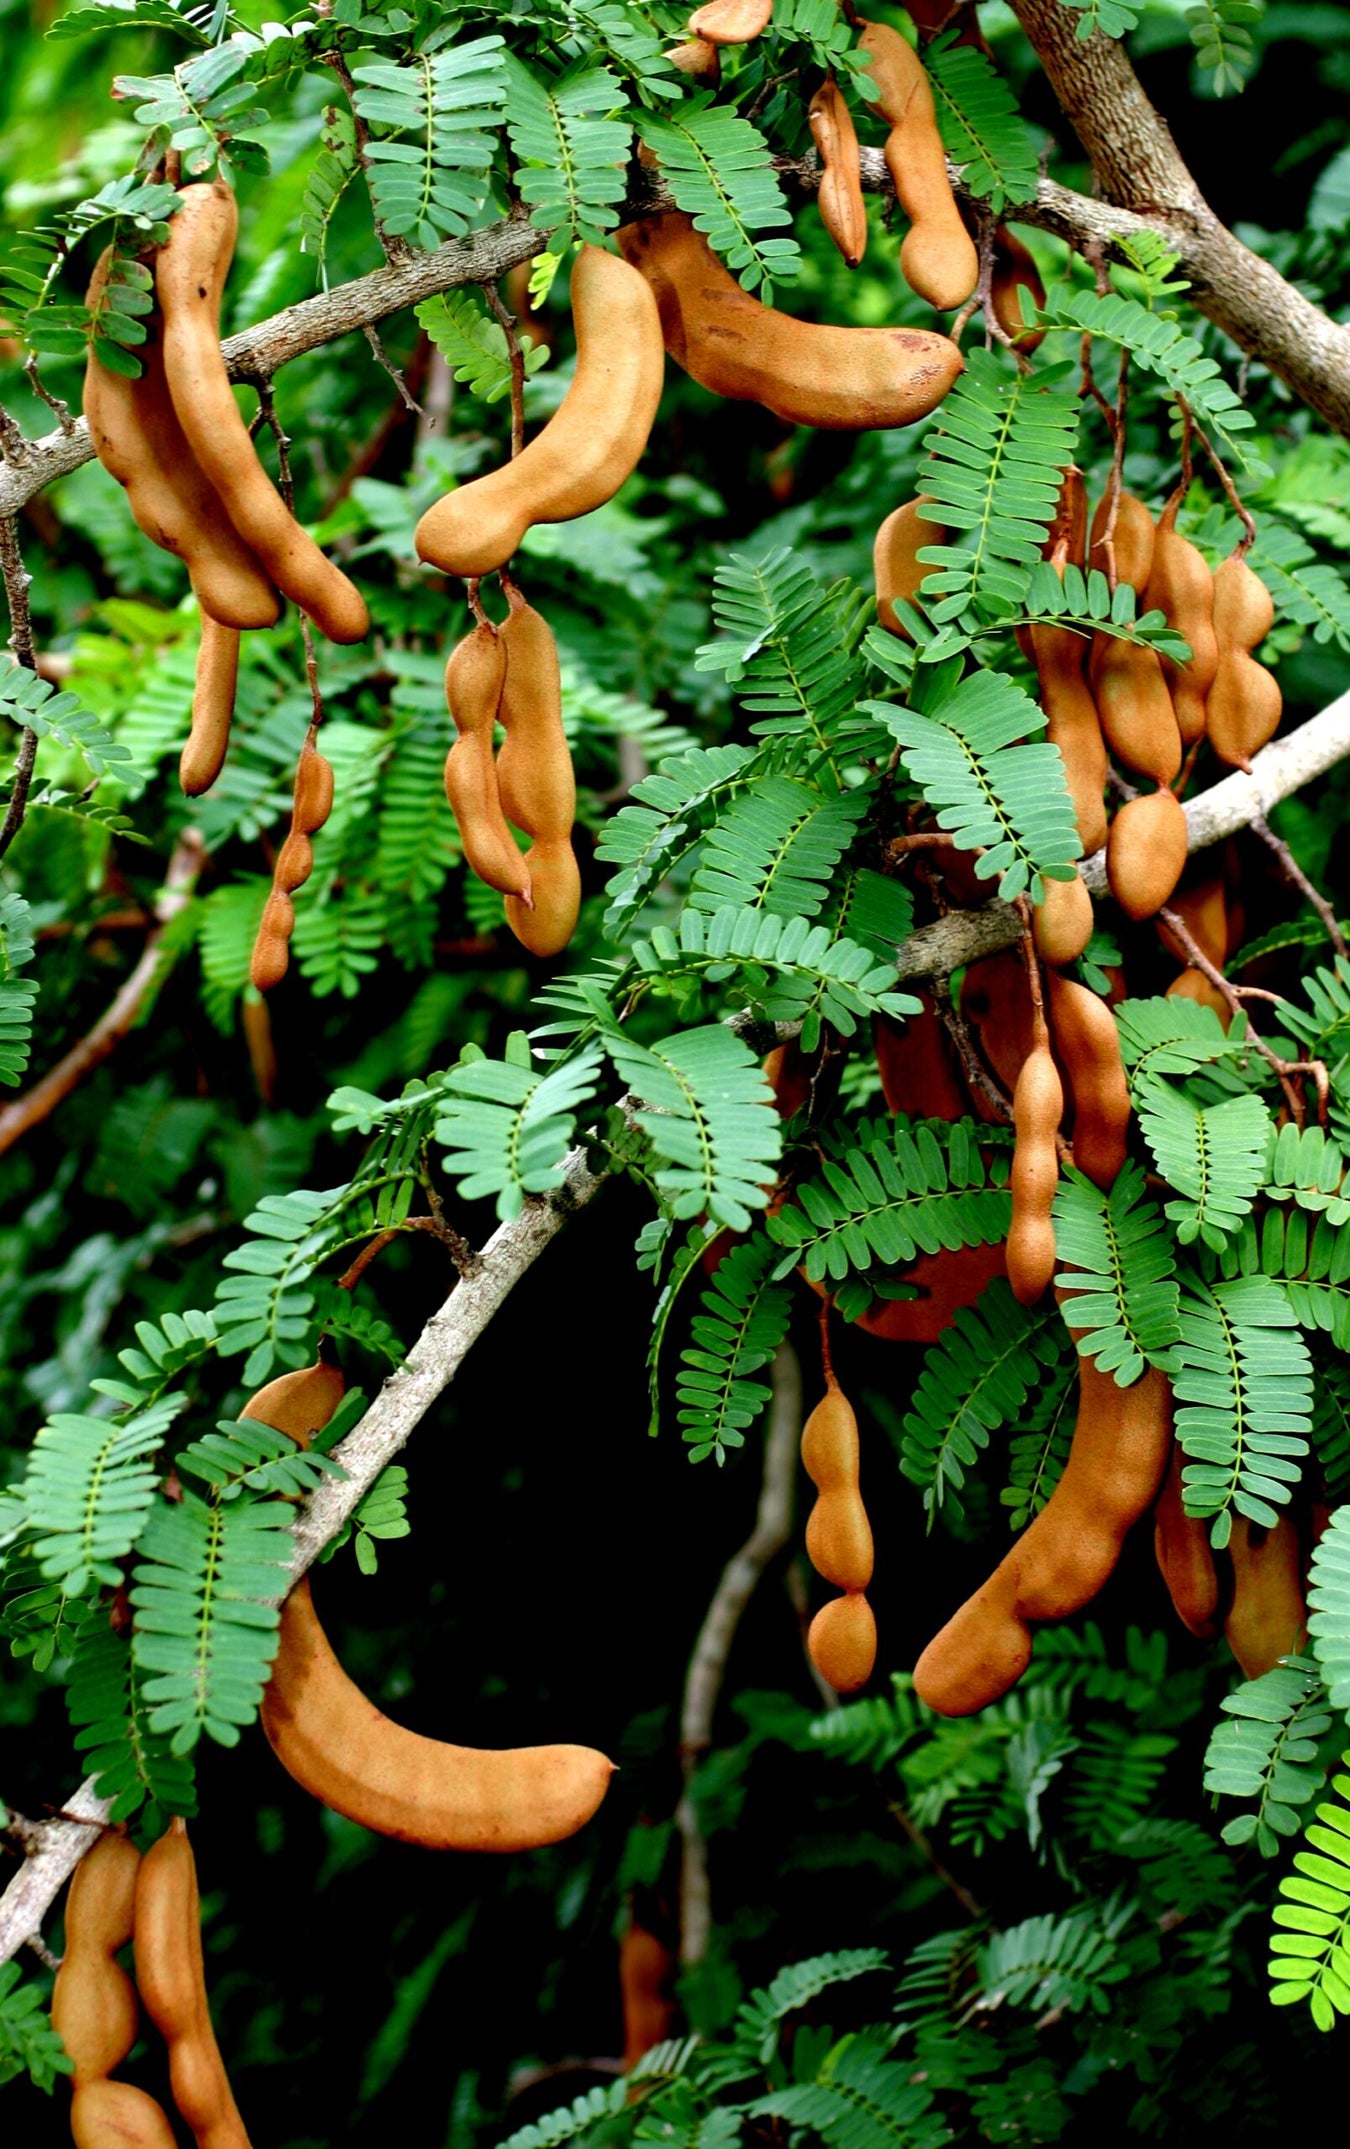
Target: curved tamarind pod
<point>698,58</point>
<point>1132,541</point>
<point>1182,1549</point>
<point>1038,1106</point>
<point>647,1969</point>
<point>312,802</point>
<point>895,559</point>
<point>591,444</point>
<point>190,273</point>
<point>1146,852</point>
<point>843,211</point>
<point>1134,707</point>
<point>474,677</point>
<point>135,433</point>
<point>203,757</point>
<point>789,1077</point>
<point>938,258</point>
<point>1181,586</point>
<point>1071,719</point>
<point>94,2009</point>
<point>1242,710</point>
<point>838,1534</point>
<point>731,22</point>
<point>117,2115</point>
<point>1268,1617</point>
<point>271,948</point>
<point>848,380</point>
<point>172,1979</point>
<point>1119,1453</point>
<point>534,768</point>
<point>1061,926</point>
<point>343,1750</point>
<point>842,1640</point>
<point>1089,1051</point>
<point>555,891</point>
<point>1014,270</point>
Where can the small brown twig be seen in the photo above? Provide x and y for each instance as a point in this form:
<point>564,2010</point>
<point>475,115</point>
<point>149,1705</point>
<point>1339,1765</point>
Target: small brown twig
<point>17,581</point>
<point>976,1073</point>
<point>1243,514</point>
<point>516,355</point>
<point>475,602</point>
<point>924,1847</point>
<point>267,415</point>
<point>1235,995</point>
<point>1297,878</point>
<point>826,1360</point>
<point>44,1954</point>
<point>1113,482</point>
<point>44,394</point>
<point>461,1253</point>
<point>395,248</point>
<point>1039,1030</point>
<point>382,358</point>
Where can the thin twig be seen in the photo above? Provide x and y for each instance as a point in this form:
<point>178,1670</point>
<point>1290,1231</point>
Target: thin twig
<point>923,1845</point>
<point>954,1022</point>
<point>1295,875</point>
<point>1235,995</point>
<point>17,582</point>
<point>394,247</point>
<point>382,358</point>
<point>507,322</point>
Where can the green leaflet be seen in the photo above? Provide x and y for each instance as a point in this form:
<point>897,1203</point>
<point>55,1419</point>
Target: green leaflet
<point>976,1378</point>
<point>473,346</point>
<point>1214,1155</point>
<point>1265,1747</point>
<point>1310,1954</point>
<point>982,129</point>
<point>709,1114</point>
<point>1242,1379</point>
<point>17,994</point>
<point>906,1188</point>
<point>432,120</point>
<point>508,1129</point>
<point>742,1319</point>
<point>777,847</point>
<point>1117,1262</point>
<point>1329,1606</point>
<point>88,1490</point>
<point>720,170</point>
<point>572,152</point>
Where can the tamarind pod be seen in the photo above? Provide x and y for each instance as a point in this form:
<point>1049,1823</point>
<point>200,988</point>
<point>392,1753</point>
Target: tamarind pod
<point>117,2115</point>
<point>1145,853</point>
<point>313,800</point>
<point>555,892</point>
<point>698,58</point>
<point>953,1277</point>
<point>895,558</point>
<point>838,1534</point>
<point>1132,541</point>
<point>590,445</point>
<point>843,211</point>
<point>1134,707</point>
<point>1182,1549</point>
<point>997,1011</point>
<point>789,1078</point>
<point>1119,1453</point>
<point>838,379</point>
<point>300,1403</point>
<point>930,16</point>
<point>1192,984</point>
<point>1089,1051</point>
<point>830,1445</point>
<point>534,768</point>
<point>190,273</point>
<point>474,677</point>
<point>647,1968</point>
<point>135,433</point>
<point>343,1750</point>
<point>1181,586</point>
<point>94,2008</point>
<point>1072,723</point>
<point>1061,926</point>
<point>938,258</point>
<point>1243,707</point>
<point>271,949</point>
<point>203,757</point>
<point>1203,908</point>
<point>1268,1617</point>
<point>1038,1106</point>
<point>842,1641</point>
<point>915,1063</point>
<point>731,22</point>
<point>172,1979</point>
<point>1014,270</point>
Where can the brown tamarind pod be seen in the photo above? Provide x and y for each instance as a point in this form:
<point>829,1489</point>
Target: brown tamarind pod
<point>1134,707</point>
<point>1181,587</point>
<point>953,1277</point>
<point>171,1975</point>
<point>996,1009</point>
<point>700,59</point>
<point>838,1534</point>
<point>843,211</point>
<point>591,444</point>
<point>534,768</point>
<point>135,433</point>
<point>1242,710</point>
<point>555,891</point>
<point>895,559</point>
<point>271,948</point>
<point>474,678</point>
<point>1060,655</point>
<point>1182,1549</point>
<point>1121,1441</point>
<point>647,1972</point>
<point>1061,926</point>
<point>117,2115</point>
<point>916,1066</point>
<point>1089,1052</point>
<point>1268,1617</point>
<point>298,1404</point>
<point>1146,852</point>
<point>203,757</point>
<point>94,2009</point>
<point>731,22</point>
<point>1132,540</point>
<point>1013,271</point>
<point>838,379</point>
<point>1192,984</point>
<point>312,802</point>
<point>190,273</point>
<point>842,1640</point>
<point>1203,909</point>
<point>938,258</point>
<point>1038,1107</point>
<point>789,1077</point>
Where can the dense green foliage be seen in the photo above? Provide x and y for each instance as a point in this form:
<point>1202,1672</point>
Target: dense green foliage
<point>1045,1920</point>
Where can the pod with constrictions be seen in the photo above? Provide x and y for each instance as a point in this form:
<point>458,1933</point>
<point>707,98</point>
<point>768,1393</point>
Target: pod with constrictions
<point>1038,1107</point>
<point>1146,852</point>
<point>1134,706</point>
<point>1088,1044</point>
<point>938,258</point>
<point>842,1636</point>
<point>1185,1558</point>
<point>1242,710</point>
<point>94,2008</point>
<point>191,268</point>
<point>535,781</point>
<point>1121,1442</point>
<point>843,211</point>
<point>342,1750</point>
<point>838,379</point>
<point>1181,586</point>
<point>203,757</point>
<point>171,1975</point>
<point>590,445</point>
<point>895,559</point>
<point>474,678</point>
<point>1060,657</point>
<point>311,805</point>
<point>731,22</point>
<point>1268,1617</point>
